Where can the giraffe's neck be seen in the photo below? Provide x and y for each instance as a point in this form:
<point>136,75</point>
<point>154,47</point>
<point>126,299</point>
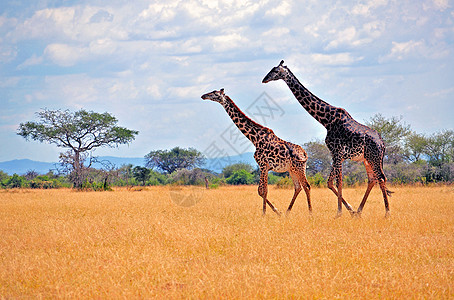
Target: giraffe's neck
<point>249,128</point>
<point>316,107</point>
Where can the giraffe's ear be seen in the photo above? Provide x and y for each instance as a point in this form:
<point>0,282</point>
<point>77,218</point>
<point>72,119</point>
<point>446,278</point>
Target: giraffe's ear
<point>282,63</point>
<point>222,91</point>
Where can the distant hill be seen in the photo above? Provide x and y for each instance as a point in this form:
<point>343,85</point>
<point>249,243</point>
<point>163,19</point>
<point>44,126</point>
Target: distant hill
<point>22,166</point>
<point>217,164</point>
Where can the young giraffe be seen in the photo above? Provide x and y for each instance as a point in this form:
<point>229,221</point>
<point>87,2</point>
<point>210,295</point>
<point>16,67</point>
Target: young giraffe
<point>272,153</point>
<point>345,138</point>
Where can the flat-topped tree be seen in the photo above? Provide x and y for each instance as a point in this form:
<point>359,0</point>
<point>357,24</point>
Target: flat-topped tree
<point>345,138</point>
<point>80,132</point>
<point>272,153</point>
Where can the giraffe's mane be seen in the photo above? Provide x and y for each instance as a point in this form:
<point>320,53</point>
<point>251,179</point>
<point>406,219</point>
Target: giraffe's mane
<point>299,82</point>
<point>249,119</point>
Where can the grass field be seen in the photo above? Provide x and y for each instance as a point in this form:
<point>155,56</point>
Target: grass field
<point>153,244</point>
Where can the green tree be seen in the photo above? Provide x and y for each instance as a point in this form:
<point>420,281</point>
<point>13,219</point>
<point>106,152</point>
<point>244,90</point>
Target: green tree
<point>157,178</point>
<point>393,132</point>
<point>124,175</point>
<point>319,158</point>
<point>189,177</point>
<point>15,181</point>
<point>230,169</point>
<point>240,177</point>
<point>3,176</point>
<point>80,132</point>
<point>141,174</point>
<point>177,158</point>
<point>440,148</point>
<point>415,146</point>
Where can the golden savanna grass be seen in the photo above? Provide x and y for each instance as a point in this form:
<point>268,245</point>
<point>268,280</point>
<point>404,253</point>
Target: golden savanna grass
<point>142,244</point>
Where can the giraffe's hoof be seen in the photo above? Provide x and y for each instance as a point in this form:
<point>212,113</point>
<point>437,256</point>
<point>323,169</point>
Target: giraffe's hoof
<point>387,215</point>
<point>356,214</point>
<point>338,215</point>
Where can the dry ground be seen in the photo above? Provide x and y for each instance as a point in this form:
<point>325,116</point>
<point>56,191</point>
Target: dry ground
<point>153,244</point>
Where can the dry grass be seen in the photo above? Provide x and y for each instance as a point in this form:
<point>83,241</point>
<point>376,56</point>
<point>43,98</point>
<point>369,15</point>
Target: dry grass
<point>140,244</point>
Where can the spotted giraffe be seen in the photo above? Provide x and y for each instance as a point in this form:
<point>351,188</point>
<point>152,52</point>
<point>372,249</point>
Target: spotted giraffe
<point>345,138</point>
<point>272,153</point>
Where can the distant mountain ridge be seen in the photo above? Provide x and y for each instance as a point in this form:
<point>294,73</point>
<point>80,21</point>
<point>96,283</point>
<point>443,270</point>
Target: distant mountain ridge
<point>22,166</point>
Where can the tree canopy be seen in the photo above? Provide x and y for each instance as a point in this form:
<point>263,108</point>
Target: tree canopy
<point>177,158</point>
<point>80,132</point>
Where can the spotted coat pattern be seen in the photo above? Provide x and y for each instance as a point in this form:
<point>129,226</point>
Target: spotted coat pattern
<point>346,138</point>
<point>272,153</point>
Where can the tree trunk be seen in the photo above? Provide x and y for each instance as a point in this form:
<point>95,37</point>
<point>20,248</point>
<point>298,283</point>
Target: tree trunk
<point>77,170</point>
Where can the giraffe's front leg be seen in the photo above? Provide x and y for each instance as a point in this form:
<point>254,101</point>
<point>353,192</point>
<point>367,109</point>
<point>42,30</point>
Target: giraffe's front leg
<point>336,174</point>
<point>263,190</point>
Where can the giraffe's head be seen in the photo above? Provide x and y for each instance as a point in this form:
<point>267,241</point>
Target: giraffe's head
<point>216,96</point>
<point>276,73</point>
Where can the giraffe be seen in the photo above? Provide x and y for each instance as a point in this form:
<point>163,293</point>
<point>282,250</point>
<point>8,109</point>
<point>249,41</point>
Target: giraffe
<point>345,138</point>
<point>272,153</point>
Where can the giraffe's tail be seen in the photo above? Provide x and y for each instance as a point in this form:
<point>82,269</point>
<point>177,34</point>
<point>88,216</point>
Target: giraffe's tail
<point>389,193</point>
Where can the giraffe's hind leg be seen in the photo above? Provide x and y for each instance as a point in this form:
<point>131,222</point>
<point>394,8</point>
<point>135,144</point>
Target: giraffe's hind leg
<point>298,189</point>
<point>370,185</point>
<point>374,174</point>
<point>300,180</point>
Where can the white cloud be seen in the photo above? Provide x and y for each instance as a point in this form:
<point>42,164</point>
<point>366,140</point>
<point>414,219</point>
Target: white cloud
<point>346,36</point>
<point>155,55</point>
<point>333,59</point>
<point>32,61</point>
<point>366,9</point>
<point>65,55</point>
<point>414,49</point>
<point>283,9</point>
<point>441,4</point>
<point>276,32</point>
<point>7,52</point>
<point>227,42</point>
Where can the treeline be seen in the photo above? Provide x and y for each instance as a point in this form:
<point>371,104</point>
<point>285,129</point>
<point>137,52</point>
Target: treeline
<point>130,176</point>
<point>410,158</point>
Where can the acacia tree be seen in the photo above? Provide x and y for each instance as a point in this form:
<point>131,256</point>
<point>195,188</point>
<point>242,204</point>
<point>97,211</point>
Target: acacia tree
<point>393,133</point>
<point>80,132</point>
<point>169,161</point>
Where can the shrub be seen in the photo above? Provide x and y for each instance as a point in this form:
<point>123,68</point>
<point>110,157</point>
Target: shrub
<point>240,177</point>
<point>317,180</point>
<point>285,183</point>
<point>230,169</point>
<point>273,179</point>
<point>15,181</point>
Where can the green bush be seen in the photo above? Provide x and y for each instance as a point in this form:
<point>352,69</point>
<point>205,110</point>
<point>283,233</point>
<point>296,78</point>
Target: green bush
<point>285,183</point>
<point>317,180</point>
<point>157,178</point>
<point>15,181</point>
<point>230,169</point>
<point>240,177</point>
<point>273,179</point>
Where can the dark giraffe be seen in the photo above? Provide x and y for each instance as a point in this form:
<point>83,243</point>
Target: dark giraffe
<point>272,153</point>
<point>345,138</point>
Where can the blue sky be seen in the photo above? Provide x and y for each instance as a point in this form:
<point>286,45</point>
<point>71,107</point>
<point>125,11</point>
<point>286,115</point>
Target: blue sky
<point>148,63</point>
